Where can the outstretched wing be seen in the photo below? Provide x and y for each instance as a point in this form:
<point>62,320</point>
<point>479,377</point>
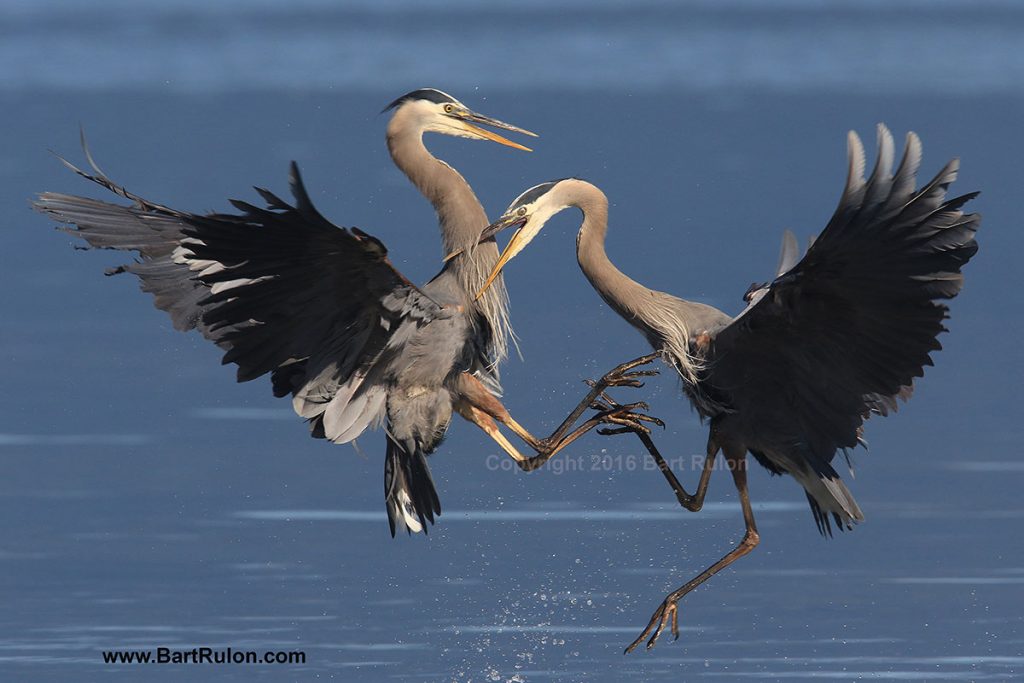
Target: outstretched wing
<point>789,254</point>
<point>280,289</point>
<point>846,330</point>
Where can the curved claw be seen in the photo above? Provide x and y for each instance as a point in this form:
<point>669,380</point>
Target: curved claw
<point>629,379</point>
<point>629,422</point>
<point>631,376</point>
<point>629,417</point>
<point>636,362</point>
<point>622,376</point>
<point>666,614</point>
<point>650,418</point>
<point>624,382</point>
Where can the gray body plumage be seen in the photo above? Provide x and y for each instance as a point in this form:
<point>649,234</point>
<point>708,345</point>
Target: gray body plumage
<point>283,291</point>
<point>461,218</point>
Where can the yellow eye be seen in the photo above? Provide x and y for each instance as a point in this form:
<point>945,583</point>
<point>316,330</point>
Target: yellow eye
<point>521,211</point>
<point>448,108</point>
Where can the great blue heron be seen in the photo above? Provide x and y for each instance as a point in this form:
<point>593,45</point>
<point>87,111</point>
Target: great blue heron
<point>283,291</point>
<point>834,338</point>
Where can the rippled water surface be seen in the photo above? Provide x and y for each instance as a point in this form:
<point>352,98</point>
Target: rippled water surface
<point>150,501</point>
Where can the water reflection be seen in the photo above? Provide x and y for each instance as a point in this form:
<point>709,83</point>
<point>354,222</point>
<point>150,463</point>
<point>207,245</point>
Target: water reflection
<point>74,439</point>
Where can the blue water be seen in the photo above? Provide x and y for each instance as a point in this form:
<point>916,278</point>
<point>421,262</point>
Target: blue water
<point>195,45</point>
<point>148,500</point>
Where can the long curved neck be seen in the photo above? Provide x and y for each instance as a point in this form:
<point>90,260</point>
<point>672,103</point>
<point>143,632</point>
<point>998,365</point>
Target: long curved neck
<point>660,317</point>
<point>459,212</point>
<point>618,290</point>
<point>462,218</point>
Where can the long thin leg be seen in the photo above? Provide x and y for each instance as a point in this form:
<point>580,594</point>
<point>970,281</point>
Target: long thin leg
<point>693,502</point>
<point>619,376</point>
<point>487,424</point>
<point>620,414</point>
<point>549,447</point>
<point>668,612</point>
<point>475,395</point>
<point>484,422</point>
<point>480,407</point>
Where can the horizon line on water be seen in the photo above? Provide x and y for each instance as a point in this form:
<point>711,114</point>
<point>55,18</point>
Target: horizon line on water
<point>7,439</point>
<point>243,413</point>
<point>27,7</point>
<point>955,580</point>
<point>560,628</point>
<point>654,512</point>
<point>551,515</point>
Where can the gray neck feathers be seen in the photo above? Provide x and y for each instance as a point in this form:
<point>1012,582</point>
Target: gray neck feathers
<point>462,219</point>
<point>617,289</point>
<point>656,314</point>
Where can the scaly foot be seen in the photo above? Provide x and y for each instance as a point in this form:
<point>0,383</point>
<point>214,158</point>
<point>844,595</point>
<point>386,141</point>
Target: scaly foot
<point>627,417</point>
<point>622,377</point>
<point>667,612</point>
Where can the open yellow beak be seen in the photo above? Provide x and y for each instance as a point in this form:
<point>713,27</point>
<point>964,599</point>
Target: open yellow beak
<point>503,223</point>
<point>494,137</point>
<point>469,118</point>
<point>514,246</point>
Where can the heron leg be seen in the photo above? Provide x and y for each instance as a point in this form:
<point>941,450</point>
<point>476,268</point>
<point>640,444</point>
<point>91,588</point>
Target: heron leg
<point>550,446</point>
<point>474,395</point>
<point>484,422</point>
<point>621,375</point>
<point>692,502</point>
<point>618,376</point>
<point>668,612</point>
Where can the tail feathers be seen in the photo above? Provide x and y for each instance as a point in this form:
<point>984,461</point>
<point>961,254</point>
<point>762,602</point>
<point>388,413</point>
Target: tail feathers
<point>409,491</point>
<point>829,500</point>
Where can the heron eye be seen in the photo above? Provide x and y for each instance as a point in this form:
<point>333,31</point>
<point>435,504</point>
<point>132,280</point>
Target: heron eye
<point>448,108</point>
<point>521,211</point>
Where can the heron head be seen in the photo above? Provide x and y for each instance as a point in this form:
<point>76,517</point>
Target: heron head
<point>433,111</point>
<point>529,213</point>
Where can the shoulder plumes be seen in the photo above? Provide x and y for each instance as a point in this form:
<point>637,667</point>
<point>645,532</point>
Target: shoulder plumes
<point>674,337</point>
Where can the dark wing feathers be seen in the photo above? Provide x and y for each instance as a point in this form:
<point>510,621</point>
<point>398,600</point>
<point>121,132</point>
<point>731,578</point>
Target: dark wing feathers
<point>274,287</point>
<point>292,282</point>
<point>151,230</point>
<point>845,332</point>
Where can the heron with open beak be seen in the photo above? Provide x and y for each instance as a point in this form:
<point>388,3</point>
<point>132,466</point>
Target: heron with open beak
<point>839,334</point>
<point>321,309</point>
